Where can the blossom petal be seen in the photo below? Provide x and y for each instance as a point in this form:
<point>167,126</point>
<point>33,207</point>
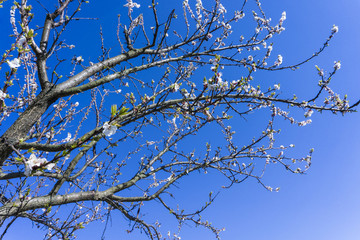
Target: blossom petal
<point>15,63</point>
<point>108,129</point>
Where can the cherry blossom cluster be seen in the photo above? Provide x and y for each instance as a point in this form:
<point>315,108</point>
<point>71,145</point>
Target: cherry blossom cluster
<point>279,60</point>
<point>335,100</point>
<point>13,20</point>
<point>109,129</point>
<point>130,4</point>
<point>334,29</point>
<point>337,65</point>
<point>276,111</point>
<point>33,163</point>
<point>14,64</point>
<point>216,82</point>
<point>2,95</point>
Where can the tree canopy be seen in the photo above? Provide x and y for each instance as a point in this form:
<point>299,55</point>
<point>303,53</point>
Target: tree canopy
<point>84,137</point>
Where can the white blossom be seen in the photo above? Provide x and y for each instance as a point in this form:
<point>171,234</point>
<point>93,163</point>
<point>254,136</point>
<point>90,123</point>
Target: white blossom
<point>2,95</point>
<point>239,15</point>
<point>246,88</point>
<point>213,86</point>
<point>149,143</point>
<point>176,87</point>
<point>283,16</point>
<point>130,4</point>
<point>50,166</point>
<point>199,6</point>
<point>34,161</point>
<point>279,60</point>
<point>277,86</point>
<point>304,123</point>
<point>334,29</point>
<point>19,100</point>
<point>21,41</point>
<point>12,16</point>
<point>15,63</point>
<point>224,85</point>
<point>222,9</point>
<point>49,135</point>
<point>309,113</point>
<point>280,30</point>
<point>79,59</point>
<point>169,178</point>
<point>68,138</point>
<point>337,65</point>
<point>219,76</point>
<point>108,129</point>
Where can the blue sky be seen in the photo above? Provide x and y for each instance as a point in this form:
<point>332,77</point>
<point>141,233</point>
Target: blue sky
<point>324,203</point>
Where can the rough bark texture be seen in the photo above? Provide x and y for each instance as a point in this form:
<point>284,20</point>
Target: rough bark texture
<point>23,124</point>
<point>19,206</point>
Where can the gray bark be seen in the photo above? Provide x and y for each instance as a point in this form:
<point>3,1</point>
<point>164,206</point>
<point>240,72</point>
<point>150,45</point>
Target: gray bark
<point>24,123</point>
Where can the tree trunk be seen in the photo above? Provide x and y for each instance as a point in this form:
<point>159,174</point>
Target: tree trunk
<point>20,128</point>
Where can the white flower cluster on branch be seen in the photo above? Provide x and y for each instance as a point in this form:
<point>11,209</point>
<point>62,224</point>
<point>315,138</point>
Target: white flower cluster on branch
<point>2,95</point>
<point>108,129</point>
<point>130,4</point>
<point>34,162</point>
<point>15,63</point>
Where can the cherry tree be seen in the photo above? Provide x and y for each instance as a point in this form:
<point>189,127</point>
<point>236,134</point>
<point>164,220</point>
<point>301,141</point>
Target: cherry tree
<point>81,139</point>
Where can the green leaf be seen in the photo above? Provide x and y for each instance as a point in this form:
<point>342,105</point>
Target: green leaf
<point>30,34</point>
<point>30,150</point>
<point>113,110</point>
<point>123,111</point>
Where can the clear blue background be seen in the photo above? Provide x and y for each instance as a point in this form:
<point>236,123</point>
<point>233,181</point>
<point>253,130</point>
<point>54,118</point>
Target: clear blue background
<point>324,203</point>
